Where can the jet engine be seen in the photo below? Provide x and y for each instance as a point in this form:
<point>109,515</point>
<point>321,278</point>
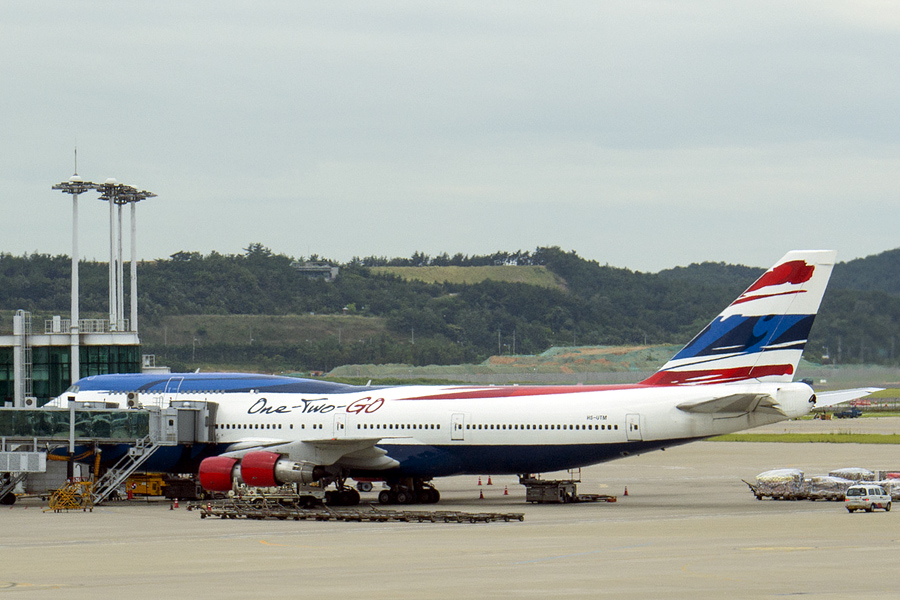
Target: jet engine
<point>217,472</point>
<point>256,469</point>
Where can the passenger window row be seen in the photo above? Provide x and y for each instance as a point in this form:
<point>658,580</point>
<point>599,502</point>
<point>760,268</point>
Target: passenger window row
<point>545,427</point>
<point>264,426</point>
<point>390,426</point>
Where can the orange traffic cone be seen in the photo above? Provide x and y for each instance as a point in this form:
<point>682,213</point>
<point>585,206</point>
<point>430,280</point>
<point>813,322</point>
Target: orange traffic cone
<point>480,495</point>
<point>489,480</point>
<point>479,481</point>
<point>176,502</point>
<point>626,491</point>
<point>506,490</point>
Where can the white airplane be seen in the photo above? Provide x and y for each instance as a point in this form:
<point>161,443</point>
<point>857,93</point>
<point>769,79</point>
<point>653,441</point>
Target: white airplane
<point>736,374</point>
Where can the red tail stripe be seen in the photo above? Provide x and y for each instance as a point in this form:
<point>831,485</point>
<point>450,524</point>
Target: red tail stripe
<point>793,271</point>
<point>717,375</point>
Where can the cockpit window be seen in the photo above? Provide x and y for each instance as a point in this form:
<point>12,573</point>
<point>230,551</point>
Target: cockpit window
<point>73,389</point>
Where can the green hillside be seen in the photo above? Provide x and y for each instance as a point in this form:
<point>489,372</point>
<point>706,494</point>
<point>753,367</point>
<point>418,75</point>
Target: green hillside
<point>257,311</point>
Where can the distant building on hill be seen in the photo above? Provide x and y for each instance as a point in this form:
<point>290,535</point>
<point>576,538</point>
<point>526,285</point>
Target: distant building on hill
<point>318,270</point>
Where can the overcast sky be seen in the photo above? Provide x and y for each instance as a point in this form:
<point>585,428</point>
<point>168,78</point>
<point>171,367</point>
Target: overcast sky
<point>641,134</point>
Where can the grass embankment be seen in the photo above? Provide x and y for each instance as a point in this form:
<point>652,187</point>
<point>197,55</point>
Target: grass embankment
<point>811,438</point>
<point>531,275</point>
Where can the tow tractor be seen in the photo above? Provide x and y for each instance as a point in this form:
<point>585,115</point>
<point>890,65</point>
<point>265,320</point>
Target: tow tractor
<point>558,491</point>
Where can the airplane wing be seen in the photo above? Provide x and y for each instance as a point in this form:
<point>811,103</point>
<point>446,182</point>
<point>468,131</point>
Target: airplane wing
<point>354,453</point>
<point>824,399</point>
<point>733,403</point>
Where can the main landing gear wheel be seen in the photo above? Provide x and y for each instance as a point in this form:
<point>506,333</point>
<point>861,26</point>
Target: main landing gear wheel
<point>410,492</point>
<point>345,497</point>
<point>429,496</point>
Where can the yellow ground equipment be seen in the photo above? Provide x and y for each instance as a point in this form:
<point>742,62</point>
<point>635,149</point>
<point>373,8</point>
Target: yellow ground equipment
<point>73,496</point>
<point>146,484</point>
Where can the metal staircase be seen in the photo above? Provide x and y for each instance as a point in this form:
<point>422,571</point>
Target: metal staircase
<point>128,464</point>
<point>9,481</point>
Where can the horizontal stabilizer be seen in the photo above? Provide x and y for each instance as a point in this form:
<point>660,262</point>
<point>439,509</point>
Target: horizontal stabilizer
<point>733,403</point>
<point>836,397</point>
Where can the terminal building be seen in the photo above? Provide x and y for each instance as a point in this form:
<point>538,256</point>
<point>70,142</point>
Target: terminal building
<point>37,366</point>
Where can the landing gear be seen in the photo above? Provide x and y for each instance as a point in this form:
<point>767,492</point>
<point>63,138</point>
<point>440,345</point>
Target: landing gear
<point>410,491</point>
<point>344,495</point>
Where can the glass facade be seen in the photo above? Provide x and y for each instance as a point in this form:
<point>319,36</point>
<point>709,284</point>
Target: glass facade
<point>50,368</point>
<point>91,424</point>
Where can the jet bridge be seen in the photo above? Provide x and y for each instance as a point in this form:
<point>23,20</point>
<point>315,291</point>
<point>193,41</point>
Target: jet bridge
<point>29,436</point>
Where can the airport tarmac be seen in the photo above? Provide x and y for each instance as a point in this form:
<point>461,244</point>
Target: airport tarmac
<point>689,528</point>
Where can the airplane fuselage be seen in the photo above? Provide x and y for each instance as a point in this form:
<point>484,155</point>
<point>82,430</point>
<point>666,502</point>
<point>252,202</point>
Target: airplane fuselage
<point>430,431</point>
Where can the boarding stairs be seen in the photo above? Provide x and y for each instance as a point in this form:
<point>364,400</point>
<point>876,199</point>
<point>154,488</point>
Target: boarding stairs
<point>9,482</point>
<point>116,475</point>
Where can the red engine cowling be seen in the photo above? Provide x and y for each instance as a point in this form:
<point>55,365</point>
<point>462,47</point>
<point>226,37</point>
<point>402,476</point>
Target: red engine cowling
<point>270,469</point>
<point>217,472</point>
<point>256,469</point>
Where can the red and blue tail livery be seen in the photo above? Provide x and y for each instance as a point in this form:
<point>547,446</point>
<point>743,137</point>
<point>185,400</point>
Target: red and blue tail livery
<point>762,334</point>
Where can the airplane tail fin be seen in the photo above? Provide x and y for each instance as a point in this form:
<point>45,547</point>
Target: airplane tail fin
<point>761,335</point>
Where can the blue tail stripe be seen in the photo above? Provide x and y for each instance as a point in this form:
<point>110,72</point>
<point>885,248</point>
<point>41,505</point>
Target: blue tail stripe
<point>739,334</point>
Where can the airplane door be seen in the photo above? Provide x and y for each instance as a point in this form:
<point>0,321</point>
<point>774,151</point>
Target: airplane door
<point>633,427</point>
<point>458,427</point>
<point>340,426</point>
<point>173,387</point>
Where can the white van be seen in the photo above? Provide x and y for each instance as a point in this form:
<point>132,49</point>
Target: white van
<point>866,497</point>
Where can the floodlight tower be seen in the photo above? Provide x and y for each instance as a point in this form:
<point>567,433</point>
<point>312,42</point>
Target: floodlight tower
<point>109,192</point>
<point>74,186</point>
<point>133,196</point>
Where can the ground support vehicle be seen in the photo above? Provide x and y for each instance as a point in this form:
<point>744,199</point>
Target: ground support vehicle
<point>557,491</point>
<point>867,497</point>
<point>849,413</point>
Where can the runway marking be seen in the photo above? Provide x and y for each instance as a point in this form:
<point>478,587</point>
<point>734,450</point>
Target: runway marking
<point>779,548</point>
<point>564,556</point>
<point>9,585</point>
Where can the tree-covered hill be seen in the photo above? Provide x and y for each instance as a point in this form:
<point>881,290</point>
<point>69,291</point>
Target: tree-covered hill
<point>879,272</point>
<point>417,322</point>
